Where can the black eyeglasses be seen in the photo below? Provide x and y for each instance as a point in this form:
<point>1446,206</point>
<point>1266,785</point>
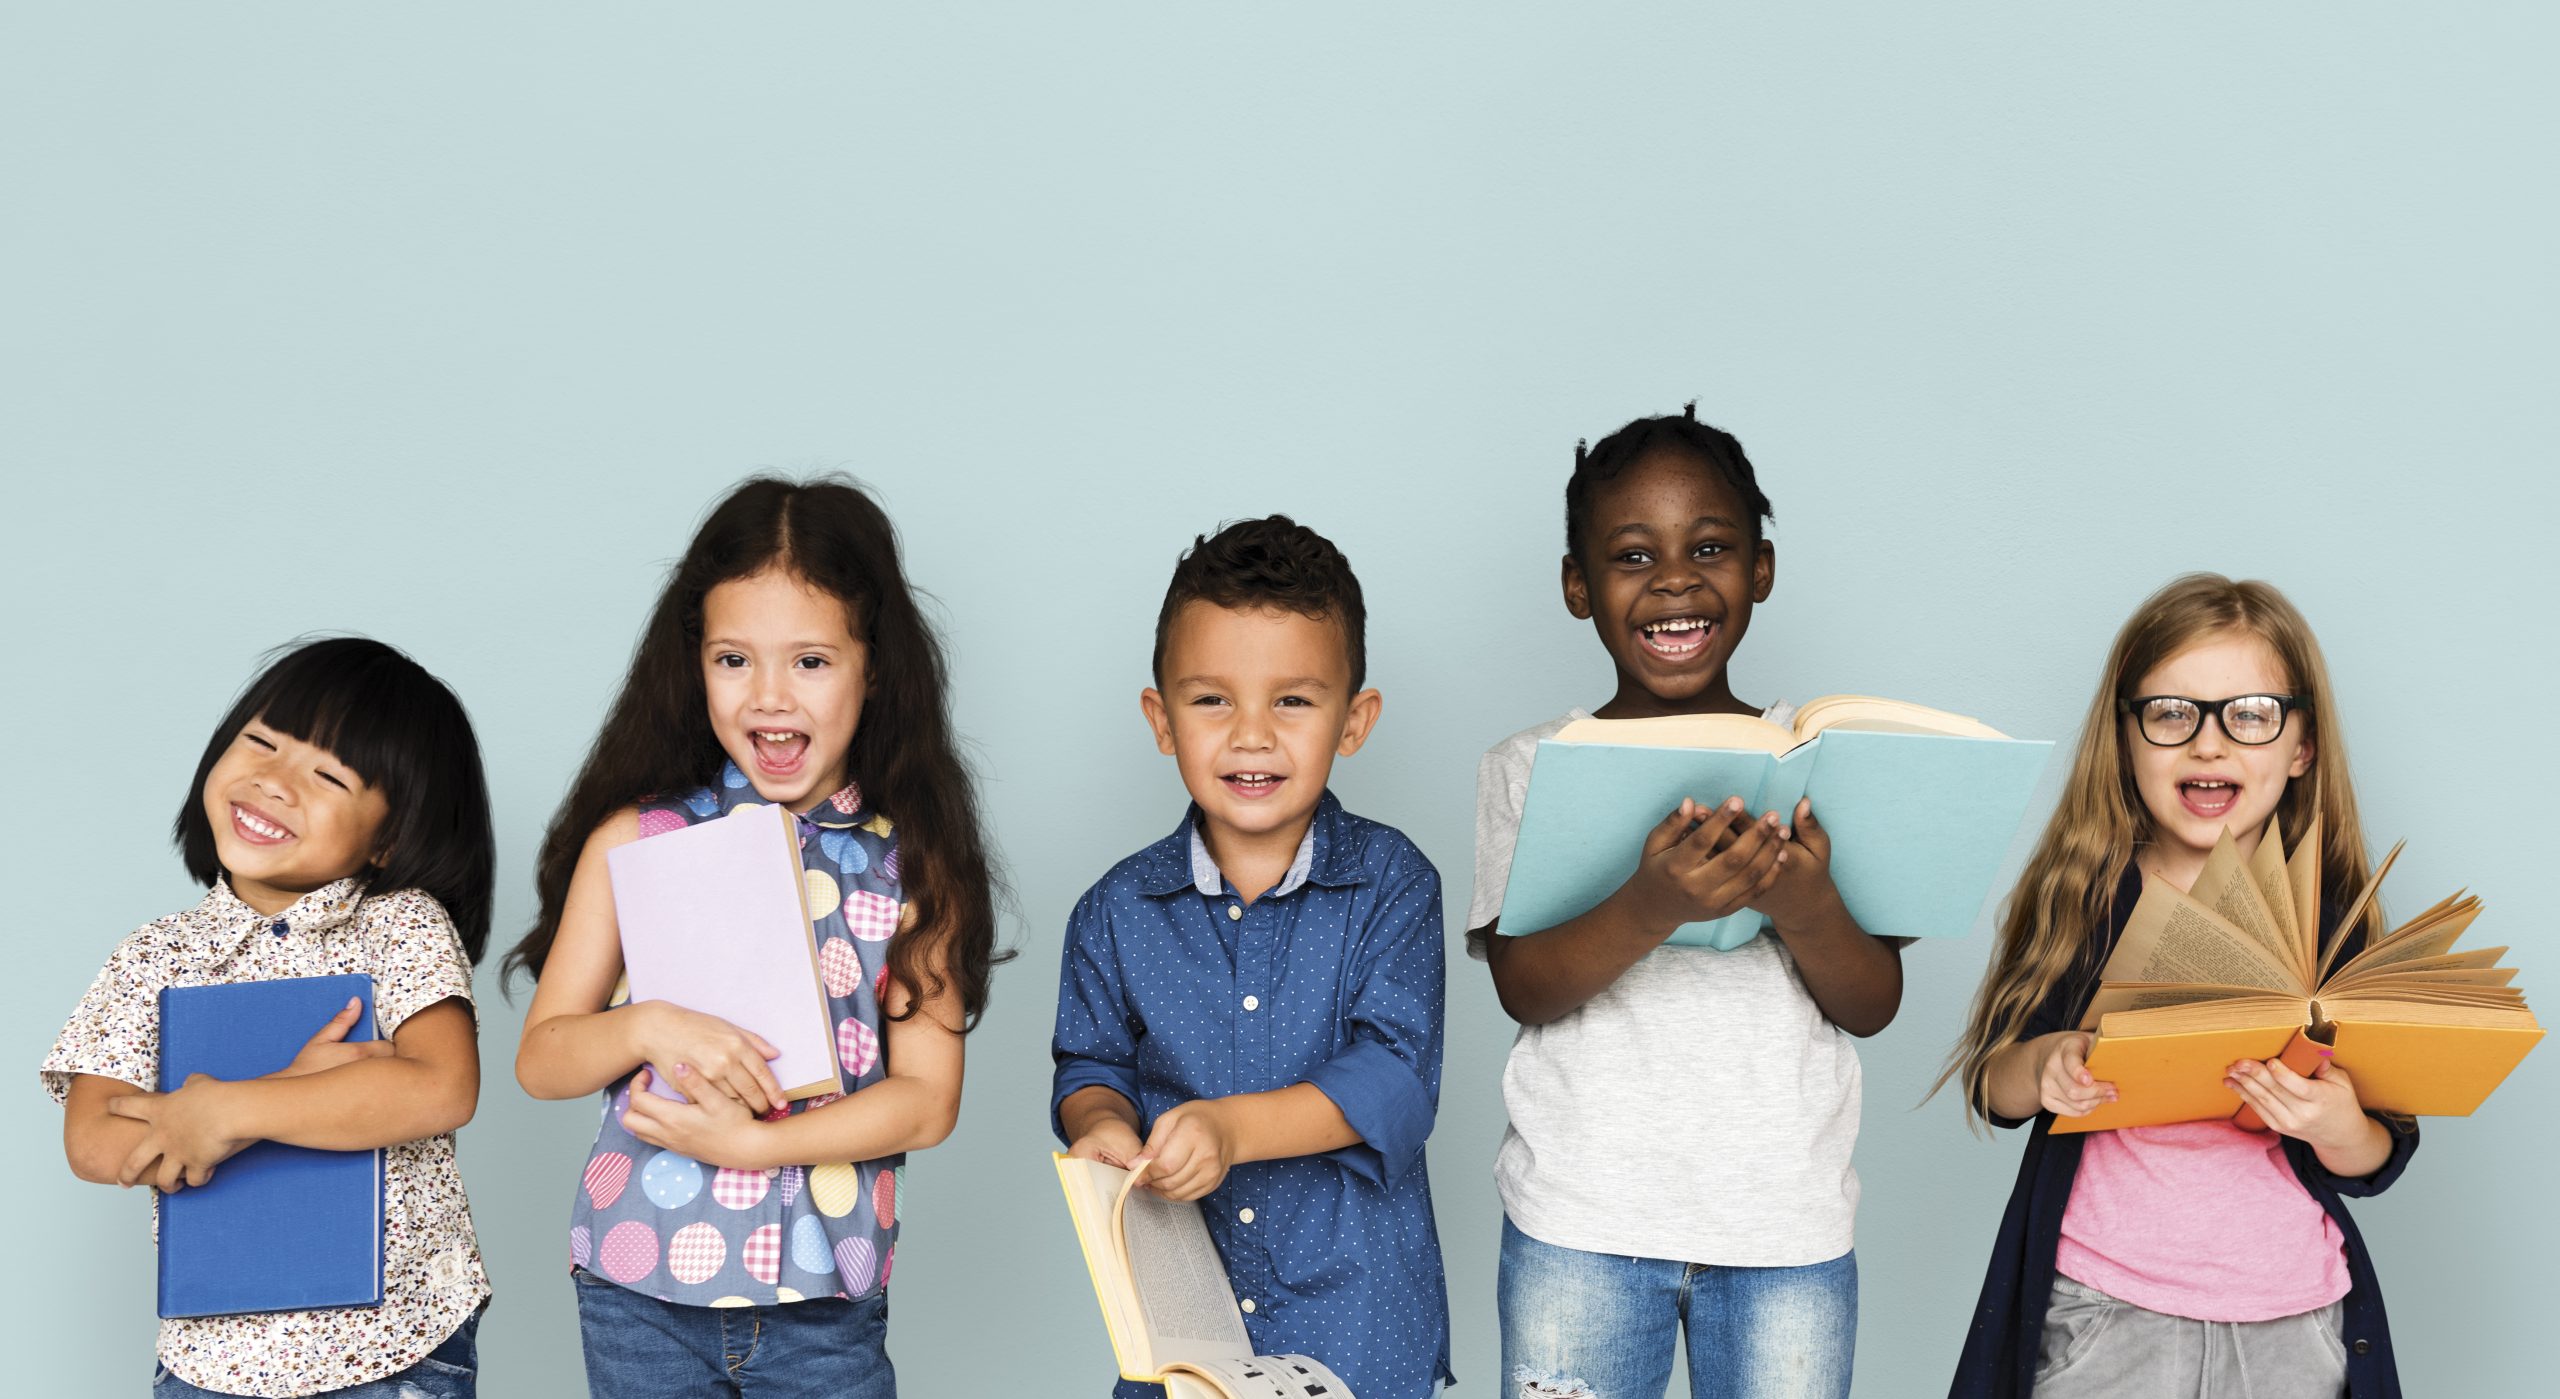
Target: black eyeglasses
<point>2250,720</point>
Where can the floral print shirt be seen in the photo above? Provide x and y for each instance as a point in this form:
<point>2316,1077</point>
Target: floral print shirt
<point>432,1279</point>
<point>664,1224</point>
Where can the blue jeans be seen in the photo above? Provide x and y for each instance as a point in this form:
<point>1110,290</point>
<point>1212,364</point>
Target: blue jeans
<point>450,1371</point>
<point>638,1347</point>
<point>1581,1325</point>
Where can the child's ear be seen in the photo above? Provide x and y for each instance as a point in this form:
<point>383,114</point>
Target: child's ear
<point>2303,756</point>
<point>1577,590</point>
<point>1152,704</point>
<point>1357,724</point>
<point>1764,570</point>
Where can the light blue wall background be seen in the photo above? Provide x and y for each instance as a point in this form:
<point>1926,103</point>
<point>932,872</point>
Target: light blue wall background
<point>446,324</point>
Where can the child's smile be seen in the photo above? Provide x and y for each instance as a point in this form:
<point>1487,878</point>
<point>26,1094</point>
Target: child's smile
<point>785,678</point>
<point>1667,576</point>
<point>2193,790</point>
<point>1257,703</point>
<point>287,816</point>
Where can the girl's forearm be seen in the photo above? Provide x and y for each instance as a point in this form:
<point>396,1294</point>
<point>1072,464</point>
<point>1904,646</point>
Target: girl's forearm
<point>2360,1157</point>
<point>95,1141</point>
<point>354,1107</point>
<point>2010,1081</point>
<point>892,1116</point>
<point>1549,974</point>
<point>571,1056</point>
<point>1855,980</point>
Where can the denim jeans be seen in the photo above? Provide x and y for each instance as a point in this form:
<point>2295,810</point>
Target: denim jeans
<point>450,1371</point>
<point>1581,1325</point>
<point>638,1347</point>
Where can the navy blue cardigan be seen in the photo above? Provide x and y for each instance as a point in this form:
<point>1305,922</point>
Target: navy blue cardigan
<point>2001,1349</point>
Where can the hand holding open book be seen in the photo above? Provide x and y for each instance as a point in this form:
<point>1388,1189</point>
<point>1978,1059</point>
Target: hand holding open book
<point>2235,970</point>
<point>1171,1312</point>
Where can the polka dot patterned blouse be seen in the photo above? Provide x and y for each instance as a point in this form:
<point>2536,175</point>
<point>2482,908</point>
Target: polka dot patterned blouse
<point>670,1226</point>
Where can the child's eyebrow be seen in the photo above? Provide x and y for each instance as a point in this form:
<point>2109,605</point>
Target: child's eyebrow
<point>1707,521</point>
<point>787,646</point>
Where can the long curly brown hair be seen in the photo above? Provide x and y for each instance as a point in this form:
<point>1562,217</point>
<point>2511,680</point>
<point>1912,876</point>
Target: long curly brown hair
<point>2062,899</point>
<point>830,534</point>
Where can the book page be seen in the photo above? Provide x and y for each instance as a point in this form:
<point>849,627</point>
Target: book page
<point>2355,911</point>
<point>2115,996</point>
<point>1185,1304</point>
<point>2224,885</point>
<point>2302,877</point>
<point>1255,1377</point>
<point>1749,732</point>
<point>1871,713</point>
<point>2171,937</point>
<point>2267,873</point>
<point>1094,1192</point>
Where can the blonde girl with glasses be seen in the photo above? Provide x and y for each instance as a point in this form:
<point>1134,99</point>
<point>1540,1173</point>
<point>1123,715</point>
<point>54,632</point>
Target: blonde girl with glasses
<point>2195,1258</point>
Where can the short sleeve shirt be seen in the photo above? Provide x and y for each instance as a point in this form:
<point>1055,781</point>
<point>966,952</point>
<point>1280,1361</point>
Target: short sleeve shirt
<point>432,1279</point>
<point>662,1223</point>
<point>1701,1108</point>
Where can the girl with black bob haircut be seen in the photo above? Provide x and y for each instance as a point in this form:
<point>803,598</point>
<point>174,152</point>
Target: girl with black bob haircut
<point>407,736</point>
<point>787,665</point>
<point>339,820</point>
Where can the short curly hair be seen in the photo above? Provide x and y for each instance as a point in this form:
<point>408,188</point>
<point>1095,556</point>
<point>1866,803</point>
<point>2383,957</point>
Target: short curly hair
<point>1682,436</point>
<point>1273,562</point>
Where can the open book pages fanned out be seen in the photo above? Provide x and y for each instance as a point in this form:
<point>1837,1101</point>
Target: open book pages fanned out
<point>1172,1315</point>
<point>1921,806</point>
<point>2236,970</point>
<point>714,918</point>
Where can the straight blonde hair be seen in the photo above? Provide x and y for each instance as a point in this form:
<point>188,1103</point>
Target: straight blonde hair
<point>2061,905</point>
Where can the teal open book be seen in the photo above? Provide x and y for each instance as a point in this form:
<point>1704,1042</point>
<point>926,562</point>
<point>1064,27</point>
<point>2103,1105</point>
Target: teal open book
<point>1921,806</point>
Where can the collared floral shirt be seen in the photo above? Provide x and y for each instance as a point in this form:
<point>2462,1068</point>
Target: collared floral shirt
<point>432,1279</point>
<point>1173,988</point>
<point>662,1223</point>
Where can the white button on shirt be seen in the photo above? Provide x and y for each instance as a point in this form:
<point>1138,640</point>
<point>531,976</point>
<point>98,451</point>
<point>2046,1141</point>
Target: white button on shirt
<point>1234,912</point>
<point>1253,1003</point>
<point>1244,1216</point>
<point>1247,1304</point>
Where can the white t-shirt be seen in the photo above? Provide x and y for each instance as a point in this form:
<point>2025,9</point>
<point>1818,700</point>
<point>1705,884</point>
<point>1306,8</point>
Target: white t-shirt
<point>1700,1109</point>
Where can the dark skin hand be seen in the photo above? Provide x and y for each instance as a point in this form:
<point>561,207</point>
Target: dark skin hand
<point>1702,864</point>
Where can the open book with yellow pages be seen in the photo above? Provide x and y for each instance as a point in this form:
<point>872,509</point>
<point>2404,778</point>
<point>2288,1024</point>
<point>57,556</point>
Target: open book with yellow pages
<point>1172,1314</point>
<point>2235,970</point>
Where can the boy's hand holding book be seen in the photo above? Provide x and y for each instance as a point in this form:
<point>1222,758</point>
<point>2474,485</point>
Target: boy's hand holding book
<point>1111,1141</point>
<point>1191,1149</point>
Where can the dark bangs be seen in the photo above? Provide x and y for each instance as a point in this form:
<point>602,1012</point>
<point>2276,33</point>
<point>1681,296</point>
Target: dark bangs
<point>407,736</point>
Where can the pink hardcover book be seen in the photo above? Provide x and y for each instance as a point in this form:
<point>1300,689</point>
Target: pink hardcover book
<point>713,920</point>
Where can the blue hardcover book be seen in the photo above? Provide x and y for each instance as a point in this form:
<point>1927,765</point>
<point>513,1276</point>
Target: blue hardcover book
<point>278,1228</point>
<point>1921,806</point>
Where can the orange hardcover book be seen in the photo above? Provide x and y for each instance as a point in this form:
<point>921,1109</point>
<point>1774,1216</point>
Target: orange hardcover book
<point>2235,970</point>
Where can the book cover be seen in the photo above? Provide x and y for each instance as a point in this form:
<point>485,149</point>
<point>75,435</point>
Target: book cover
<point>714,918</point>
<point>1920,823</point>
<point>278,1228</point>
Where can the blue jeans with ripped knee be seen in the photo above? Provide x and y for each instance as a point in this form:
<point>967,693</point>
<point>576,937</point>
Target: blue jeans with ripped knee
<point>1581,1325</point>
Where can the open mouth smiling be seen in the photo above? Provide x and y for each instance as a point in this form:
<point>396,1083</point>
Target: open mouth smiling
<point>1675,638</point>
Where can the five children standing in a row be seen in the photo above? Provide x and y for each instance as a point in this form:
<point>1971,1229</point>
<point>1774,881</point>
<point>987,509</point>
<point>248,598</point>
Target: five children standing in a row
<point>1251,1005</point>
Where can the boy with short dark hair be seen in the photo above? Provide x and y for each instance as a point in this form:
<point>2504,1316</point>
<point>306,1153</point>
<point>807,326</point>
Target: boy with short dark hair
<point>1252,1004</point>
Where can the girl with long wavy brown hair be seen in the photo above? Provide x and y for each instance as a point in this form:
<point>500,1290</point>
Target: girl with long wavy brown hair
<point>2175,1260</point>
<point>786,662</point>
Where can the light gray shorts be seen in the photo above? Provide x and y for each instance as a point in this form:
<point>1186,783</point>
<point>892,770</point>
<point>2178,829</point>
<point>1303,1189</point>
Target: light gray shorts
<point>2100,1347</point>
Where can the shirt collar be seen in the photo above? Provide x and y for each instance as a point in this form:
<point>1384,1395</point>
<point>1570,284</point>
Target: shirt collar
<point>223,918</point>
<point>836,812</point>
<point>1182,860</point>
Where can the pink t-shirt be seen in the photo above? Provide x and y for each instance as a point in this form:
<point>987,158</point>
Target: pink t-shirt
<point>2200,1220</point>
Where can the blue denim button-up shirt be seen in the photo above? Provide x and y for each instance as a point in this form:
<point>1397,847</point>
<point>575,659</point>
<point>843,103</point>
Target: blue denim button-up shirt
<point>1172,988</point>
